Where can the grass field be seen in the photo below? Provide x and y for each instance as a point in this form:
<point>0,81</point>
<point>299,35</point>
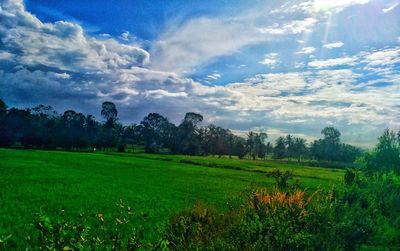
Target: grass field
<point>155,186</point>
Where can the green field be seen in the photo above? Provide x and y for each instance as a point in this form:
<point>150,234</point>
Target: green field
<point>153,185</point>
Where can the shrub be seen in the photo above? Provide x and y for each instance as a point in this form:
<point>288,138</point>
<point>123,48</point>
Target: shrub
<point>281,178</point>
<point>365,214</point>
<point>349,176</point>
<point>88,232</point>
<point>273,220</point>
<point>121,148</point>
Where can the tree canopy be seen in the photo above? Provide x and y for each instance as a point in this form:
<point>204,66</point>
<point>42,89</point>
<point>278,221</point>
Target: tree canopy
<point>43,127</point>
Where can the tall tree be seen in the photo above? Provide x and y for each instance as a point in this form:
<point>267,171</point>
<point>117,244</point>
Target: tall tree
<point>251,144</point>
<point>5,132</point>
<point>109,112</point>
<point>280,148</point>
<point>74,135</point>
<point>290,146</point>
<point>3,107</point>
<point>156,132</point>
<point>269,149</point>
<point>388,151</point>
<point>331,134</point>
<point>331,143</point>
<point>256,144</point>
<point>187,139</point>
<point>262,145</point>
<point>300,148</point>
<point>193,118</point>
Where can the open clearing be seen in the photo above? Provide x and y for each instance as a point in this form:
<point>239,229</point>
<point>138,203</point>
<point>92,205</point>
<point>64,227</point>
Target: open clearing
<point>155,186</point>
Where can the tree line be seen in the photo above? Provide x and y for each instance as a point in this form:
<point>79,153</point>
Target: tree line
<point>43,127</point>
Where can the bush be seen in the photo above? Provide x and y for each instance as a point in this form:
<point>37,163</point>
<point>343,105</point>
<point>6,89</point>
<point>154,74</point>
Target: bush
<point>121,148</point>
<point>281,178</point>
<point>363,215</point>
<point>267,221</point>
<point>349,176</point>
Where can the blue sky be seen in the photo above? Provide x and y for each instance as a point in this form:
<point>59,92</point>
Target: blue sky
<point>275,66</point>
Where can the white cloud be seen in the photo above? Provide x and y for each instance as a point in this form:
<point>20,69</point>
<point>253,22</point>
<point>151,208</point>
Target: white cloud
<point>299,65</point>
<point>390,8</point>
<point>4,55</point>
<point>214,76</point>
<point>333,45</point>
<point>383,57</point>
<point>61,44</point>
<point>57,63</point>
<point>63,75</point>
<point>306,50</point>
<point>159,93</point>
<point>293,27</point>
<point>270,59</point>
<point>199,40</point>
<point>126,36</point>
<point>329,5</point>
<point>332,62</point>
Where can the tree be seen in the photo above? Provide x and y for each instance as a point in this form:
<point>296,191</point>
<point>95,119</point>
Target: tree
<point>331,134</point>
<point>255,144</point>
<point>156,132</point>
<point>19,124</point>
<point>239,147</point>
<point>110,113</point>
<point>3,108</point>
<point>193,118</point>
<point>269,149</point>
<point>187,139</point>
<point>131,134</point>
<point>349,153</point>
<point>214,140</point>
<point>92,128</point>
<point>385,157</point>
<point>74,134</point>
<point>280,148</point>
<point>250,144</point>
<point>110,133</point>
<point>290,146</point>
<point>44,121</point>
<point>316,150</point>
<point>387,152</point>
<point>5,132</point>
<point>300,148</point>
<point>262,147</point>
<point>330,144</point>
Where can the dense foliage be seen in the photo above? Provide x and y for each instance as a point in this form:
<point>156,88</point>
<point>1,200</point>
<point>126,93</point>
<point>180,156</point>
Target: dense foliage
<point>364,215</point>
<point>42,127</point>
<point>386,155</point>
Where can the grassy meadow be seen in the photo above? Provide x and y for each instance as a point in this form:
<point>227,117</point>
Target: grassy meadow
<point>154,185</point>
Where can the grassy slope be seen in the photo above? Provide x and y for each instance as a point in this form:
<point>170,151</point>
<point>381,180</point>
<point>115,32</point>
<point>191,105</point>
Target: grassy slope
<point>156,185</point>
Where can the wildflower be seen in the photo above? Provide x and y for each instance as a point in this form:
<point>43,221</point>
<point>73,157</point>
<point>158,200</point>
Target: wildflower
<point>100,217</point>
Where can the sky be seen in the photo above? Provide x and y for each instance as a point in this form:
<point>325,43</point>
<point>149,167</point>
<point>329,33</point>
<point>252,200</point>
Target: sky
<point>274,66</point>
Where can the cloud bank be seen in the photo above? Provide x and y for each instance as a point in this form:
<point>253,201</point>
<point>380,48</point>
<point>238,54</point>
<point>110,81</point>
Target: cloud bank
<point>59,64</point>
